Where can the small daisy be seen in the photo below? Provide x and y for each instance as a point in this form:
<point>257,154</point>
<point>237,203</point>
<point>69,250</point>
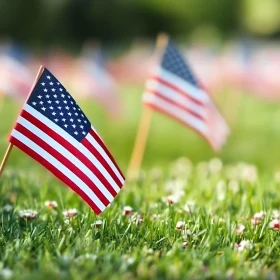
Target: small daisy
<point>7,208</point>
<point>156,216</point>
<point>180,225</point>
<point>244,245</point>
<point>221,190</point>
<point>233,185</point>
<point>249,173</point>
<point>97,224</point>
<point>185,244</point>
<point>137,219</point>
<point>70,213</point>
<point>51,204</point>
<point>240,228</point>
<point>28,214</point>
<point>275,224</point>
<point>6,273</point>
<point>171,199</point>
<point>257,218</point>
<point>275,214</point>
<point>189,206</point>
<point>215,165</point>
<point>127,211</point>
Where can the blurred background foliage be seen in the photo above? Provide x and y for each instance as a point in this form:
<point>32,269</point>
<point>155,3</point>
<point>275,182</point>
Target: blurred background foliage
<point>69,23</point>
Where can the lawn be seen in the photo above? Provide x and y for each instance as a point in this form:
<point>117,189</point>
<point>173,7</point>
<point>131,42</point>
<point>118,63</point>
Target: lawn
<point>192,214</point>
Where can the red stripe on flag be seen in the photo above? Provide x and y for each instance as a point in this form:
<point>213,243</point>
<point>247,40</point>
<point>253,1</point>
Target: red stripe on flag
<point>153,106</point>
<point>63,160</point>
<point>173,102</point>
<point>94,151</point>
<point>101,143</point>
<point>177,89</point>
<point>72,149</point>
<point>56,172</point>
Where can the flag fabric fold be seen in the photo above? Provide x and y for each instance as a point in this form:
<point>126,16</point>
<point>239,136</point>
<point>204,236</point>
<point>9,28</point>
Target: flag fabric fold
<point>53,130</point>
<point>173,90</point>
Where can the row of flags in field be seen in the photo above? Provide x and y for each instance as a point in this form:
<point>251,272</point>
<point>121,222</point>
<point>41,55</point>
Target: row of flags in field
<point>53,130</point>
<point>246,66</point>
<point>86,75</point>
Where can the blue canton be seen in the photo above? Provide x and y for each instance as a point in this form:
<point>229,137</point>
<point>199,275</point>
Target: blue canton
<point>174,62</point>
<point>53,101</point>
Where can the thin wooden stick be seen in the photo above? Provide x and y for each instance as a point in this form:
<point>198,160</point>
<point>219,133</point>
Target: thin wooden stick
<point>5,158</point>
<point>9,149</point>
<point>144,125</point>
<point>140,143</point>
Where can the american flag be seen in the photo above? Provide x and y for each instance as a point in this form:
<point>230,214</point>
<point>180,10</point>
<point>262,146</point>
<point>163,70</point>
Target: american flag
<point>173,90</point>
<point>54,131</point>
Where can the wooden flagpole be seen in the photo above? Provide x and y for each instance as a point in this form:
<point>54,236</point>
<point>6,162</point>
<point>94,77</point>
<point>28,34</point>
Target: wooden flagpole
<point>144,125</point>
<point>9,149</point>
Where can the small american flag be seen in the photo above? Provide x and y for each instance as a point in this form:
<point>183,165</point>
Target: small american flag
<point>173,90</point>
<point>54,131</point>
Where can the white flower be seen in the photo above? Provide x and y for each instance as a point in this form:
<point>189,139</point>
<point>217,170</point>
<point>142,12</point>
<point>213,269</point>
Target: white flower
<point>127,211</point>
<point>215,165</point>
<point>185,244</point>
<point>156,216</point>
<point>175,186</point>
<point>7,208</point>
<point>97,224</point>
<point>182,166</point>
<point>6,273</point>
<point>51,204</point>
<point>234,186</point>
<point>221,190</point>
<point>136,218</point>
<point>244,245</point>
<point>249,173</point>
<point>28,214</point>
<point>180,225</point>
<point>275,224</point>
<point>257,218</point>
<point>189,206</point>
<point>275,214</point>
<point>70,213</point>
<point>240,228</point>
<point>87,256</point>
<point>171,199</point>
<point>130,261</point>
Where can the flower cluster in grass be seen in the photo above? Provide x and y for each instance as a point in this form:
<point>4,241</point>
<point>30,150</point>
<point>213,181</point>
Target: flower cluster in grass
<point>207,219</point>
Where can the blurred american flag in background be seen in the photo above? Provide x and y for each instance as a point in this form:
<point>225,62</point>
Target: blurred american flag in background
<point>174,90</point>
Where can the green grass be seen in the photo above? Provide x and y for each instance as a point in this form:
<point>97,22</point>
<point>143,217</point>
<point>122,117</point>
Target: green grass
<point>147,245</point>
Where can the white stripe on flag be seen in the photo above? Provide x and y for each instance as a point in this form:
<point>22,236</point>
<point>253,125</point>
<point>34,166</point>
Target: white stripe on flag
<point>58,165</point>
<point>64,152</point>
<point>177,112</point>
<point>172,94</point>
<point>74,142</point>
<point>183,85</point>
<point>93,142</point>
